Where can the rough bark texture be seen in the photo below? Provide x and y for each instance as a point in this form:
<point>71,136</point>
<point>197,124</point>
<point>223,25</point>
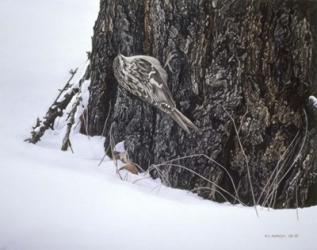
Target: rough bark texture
<point>242,73</point>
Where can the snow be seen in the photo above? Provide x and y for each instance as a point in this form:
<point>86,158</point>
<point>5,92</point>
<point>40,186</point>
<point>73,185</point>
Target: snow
<point>119,147</point>
<point>313,101</point>
<point>55,200</point>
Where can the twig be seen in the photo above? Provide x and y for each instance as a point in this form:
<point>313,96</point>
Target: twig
<point>197,174</point>
<point>104,156</point>
<point>210,189</point>
<point>54,111</point>
<point>106,121</point>
<point>67,85</point>
<point>297,212</point>
<point>297,156</point>
<point>246,160</point>
<point>277,167</point>
<point>112,150</point>
<point>210,159</point>
<point>141,179</point>
<point>274,185</point>
<point>70,123</point>
<point>85,122</point>
<point>242,119</point>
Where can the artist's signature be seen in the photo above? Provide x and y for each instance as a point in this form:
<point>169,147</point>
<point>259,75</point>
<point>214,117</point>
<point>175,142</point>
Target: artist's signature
<point>281,236</point>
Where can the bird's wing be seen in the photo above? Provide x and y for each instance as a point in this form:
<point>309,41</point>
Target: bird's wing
<point>160,88</point>
<point>156,82</point>
<point>150,60</point>
<point>150,80</point>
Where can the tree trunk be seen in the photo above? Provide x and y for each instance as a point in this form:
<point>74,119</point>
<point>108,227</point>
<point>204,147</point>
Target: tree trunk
<point>242,71</point>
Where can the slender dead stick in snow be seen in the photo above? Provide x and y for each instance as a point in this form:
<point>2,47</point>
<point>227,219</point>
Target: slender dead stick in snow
<point>54,111</point>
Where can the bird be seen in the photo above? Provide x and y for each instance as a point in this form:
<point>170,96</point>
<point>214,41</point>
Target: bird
<point>143,76</point>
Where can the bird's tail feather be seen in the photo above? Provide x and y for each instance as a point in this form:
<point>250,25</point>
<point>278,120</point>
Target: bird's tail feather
<point>183,121</point>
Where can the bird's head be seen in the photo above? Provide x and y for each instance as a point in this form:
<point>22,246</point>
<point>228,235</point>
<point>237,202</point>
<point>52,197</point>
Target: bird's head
<point>119,63</point>
<point>120,55</point>
<point>121,60</point>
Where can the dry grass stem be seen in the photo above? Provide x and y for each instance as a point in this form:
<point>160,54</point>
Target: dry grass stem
<point>246,160</point>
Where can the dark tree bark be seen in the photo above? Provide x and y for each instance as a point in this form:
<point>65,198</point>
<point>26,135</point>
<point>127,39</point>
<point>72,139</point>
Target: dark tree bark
<point>242,71</point>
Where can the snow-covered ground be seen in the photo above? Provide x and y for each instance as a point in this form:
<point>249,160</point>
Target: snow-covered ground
<point>55,200</point>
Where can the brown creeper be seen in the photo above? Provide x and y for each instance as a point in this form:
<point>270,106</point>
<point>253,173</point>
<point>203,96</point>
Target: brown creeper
<point>143,76</point>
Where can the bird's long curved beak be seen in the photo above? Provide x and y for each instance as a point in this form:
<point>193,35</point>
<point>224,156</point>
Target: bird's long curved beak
<point>120,55</point>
